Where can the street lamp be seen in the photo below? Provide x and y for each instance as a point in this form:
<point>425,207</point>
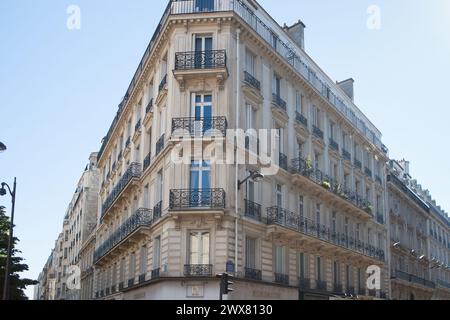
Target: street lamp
<point>2,147</point>
<point>254,175</point>
<point>11,237</point>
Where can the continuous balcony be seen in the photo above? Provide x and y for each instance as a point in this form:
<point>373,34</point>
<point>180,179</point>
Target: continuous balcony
<point>199,127</point>
<point>414,279</point>
<point>198,270</point>
<point>191,199</point>
<point>253,274</point>
<point>131,176</point>
<point>192,64</point>
<point>291,221</point>
<point>252,210</point>
<point>302,168</point>
<point>141,219</point>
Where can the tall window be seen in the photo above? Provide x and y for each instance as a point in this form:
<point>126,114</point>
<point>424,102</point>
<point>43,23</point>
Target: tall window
<point>280,259</point>
<point>302,274</point>
<point>203,112</point>
<point>318,221</point>
<point>132,266</point>
<point>114,275</point>
<point>336,272</point>
<point>333,222</point>
<point>251,191</point>
<point>279,195</point>
<point>276,89</point>
<point>199,247</point>
<point>299,102</point>
<point>143,260</point>
<point>332,129</point>
<point>315,116</point>
<point>146,196</point>
<point>250,253</point>
<point>319,275</point>
<point>301,206</point>
<point>157,253</point>
<point>348,274</point>
<point>122,271</point>
<point>159,186</point>
<point>250,62</point>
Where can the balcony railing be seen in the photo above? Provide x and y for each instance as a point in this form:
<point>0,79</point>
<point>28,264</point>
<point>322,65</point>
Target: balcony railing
<point>128,142</point>
<point>368,172</point>
<point>321,285</point>
<point>163,83</point>
<point>160,145</point>
<point>134,171</point>
<point>141,218</point>
<point>304,283</point>
<point>253,274</point>
<point>282,278</point>
<point>157,211</point>
<point>149,108</point>
<point>137,127</point>
<point>193,60</point>
<point>283,161</point>
<point>290,220</point>
<point>130,282</point>
<point>414,279</point>
<point>301,119</point>
<point>358,164</point>
<point>156,273</point>
<point>199,127</point>
<point>253,210</point>
<point>346,155</point>
<point>197,198</point>
<point>279,102</point>
<point>198,270</point>
<point>334,145</point>
<point>147,161</point>
<point>300,166</point>
<point>252,81</point>
<point>141,278</point>
<point>318,132</point>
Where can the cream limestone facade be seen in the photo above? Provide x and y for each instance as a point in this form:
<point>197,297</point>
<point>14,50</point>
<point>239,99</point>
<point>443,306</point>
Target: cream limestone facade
<point>166,229</point>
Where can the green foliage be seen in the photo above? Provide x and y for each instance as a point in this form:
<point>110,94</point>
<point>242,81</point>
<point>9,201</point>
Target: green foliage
<point>17,285</point>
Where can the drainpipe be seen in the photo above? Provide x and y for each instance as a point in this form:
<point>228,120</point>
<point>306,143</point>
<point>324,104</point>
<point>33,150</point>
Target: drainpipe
<point>238,98</point>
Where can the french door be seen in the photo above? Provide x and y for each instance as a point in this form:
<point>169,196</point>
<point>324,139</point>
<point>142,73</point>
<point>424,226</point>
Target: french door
<point>202,111</point>
<point>203,52</point>
<point>200,195</point>
<point>204,5</point>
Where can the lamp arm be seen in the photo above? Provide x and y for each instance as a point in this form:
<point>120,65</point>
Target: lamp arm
<point>9,189</point>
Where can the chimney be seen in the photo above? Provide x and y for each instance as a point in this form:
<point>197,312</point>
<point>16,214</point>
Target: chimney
<point>347,87</point>
<point>405,165</point>
<point>93,159</point>
<point>297,33</point>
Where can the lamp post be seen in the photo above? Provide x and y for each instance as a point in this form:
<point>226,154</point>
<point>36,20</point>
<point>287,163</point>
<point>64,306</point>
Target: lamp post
<point>11,236</point>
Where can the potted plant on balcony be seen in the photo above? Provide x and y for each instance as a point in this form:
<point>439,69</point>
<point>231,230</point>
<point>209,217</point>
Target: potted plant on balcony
<point>326,185</point>
<point>369,209</point>
<point>308,165</point>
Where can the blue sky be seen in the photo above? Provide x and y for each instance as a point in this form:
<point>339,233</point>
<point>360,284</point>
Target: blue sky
<point>59,89</point>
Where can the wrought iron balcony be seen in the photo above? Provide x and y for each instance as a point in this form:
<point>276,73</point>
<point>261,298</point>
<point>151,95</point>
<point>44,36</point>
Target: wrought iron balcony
<point>414,279</point>
<point>200,127</point>
<point>295,222</point>
<point>279,102</point>
<point>134,171</point>
<point>157,211</point>
<point>283,161</point>
<point>141,278</point>
<point>337,288</point>
<point>301,119</point>
<point>304,283</point>
<point>163,83</point>
<point>253,274</point>
<point>334,145</point>
<point>121,286</point>
<point>197,199</point>
<point>137,127</point>
<point>119,157</point>
<point>252,81</point>
<point>318,133</point>
<point>368,172</point>
<point>147,161</point>
<point>346,155</point>
<point>149,108</point>
<point>253,210</point>
<point>160,145</point>
<point>128,142</point>
<point>358,164</point>
<point>282,278</point>
<point>156,273</point>
<point>130,282</point>
<point>114,166</point>
<point>141,218</point>
<point>193,60</point>
<point>198,270</point>
<point>321,285</point>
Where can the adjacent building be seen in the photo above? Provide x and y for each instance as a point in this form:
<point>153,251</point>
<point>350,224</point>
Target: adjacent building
<point>419,232</point>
